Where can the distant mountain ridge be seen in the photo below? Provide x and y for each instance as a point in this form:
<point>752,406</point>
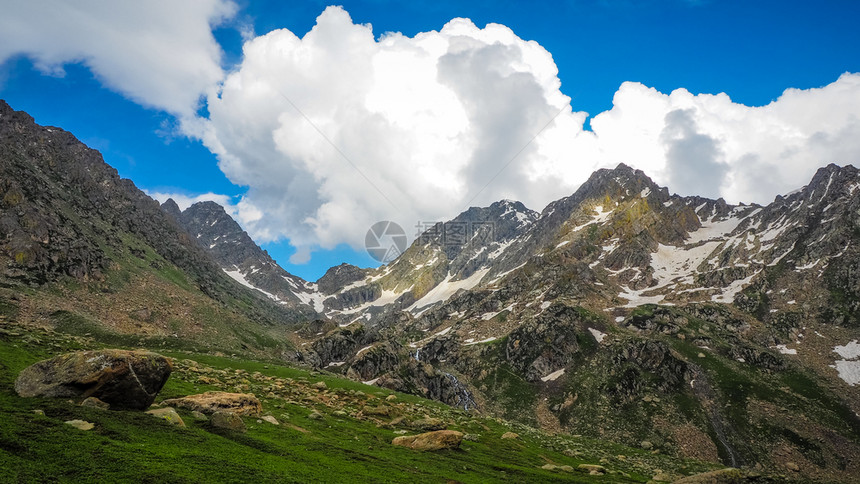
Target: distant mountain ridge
<point>242,259</point>
<point>637,241</point>
<point>633,236</point>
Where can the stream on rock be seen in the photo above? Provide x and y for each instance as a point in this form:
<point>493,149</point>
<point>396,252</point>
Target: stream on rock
<point>464,396</point>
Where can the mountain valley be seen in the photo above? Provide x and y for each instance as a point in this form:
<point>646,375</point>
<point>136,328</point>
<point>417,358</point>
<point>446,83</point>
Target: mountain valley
<point>675,327</point>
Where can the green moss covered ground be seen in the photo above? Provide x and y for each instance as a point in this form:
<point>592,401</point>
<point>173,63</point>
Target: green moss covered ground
<point>128,446</point>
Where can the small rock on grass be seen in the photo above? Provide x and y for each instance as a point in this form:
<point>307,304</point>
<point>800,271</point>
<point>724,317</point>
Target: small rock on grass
<point>593,469</point>
<point>94,402</point>
<point>661,476</point>
<point>553,467</point>
<point>315,415</point>
<point>428,424</point>
<point>510,435</point>
<point>438,440</point>
<point>245,404</point>
<point>271,420</point>
<point>168,414</point>
<point>228,420</point>
<point>378,411</point>
<point>80,424</point>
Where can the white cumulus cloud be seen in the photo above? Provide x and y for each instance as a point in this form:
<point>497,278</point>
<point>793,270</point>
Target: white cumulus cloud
<point>338,129</point>
<point>707,144</point>
<point>159,53</point>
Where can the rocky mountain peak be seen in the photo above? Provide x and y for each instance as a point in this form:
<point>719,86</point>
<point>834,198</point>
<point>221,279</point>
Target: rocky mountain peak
<point>831,182</point>
<point>339,276</point>
<point>618,183</point>
<point>241,258</point>
<point>172,208</point>
<point>65,213</point>
<point>217,232</point>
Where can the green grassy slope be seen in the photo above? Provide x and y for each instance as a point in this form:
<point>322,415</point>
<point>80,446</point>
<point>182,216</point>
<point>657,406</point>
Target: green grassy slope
<point>346,445</point>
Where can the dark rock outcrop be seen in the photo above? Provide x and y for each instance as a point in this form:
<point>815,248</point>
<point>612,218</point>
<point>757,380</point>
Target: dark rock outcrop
<point>337,277</point>
<point>375,361</point>
<point>123,379</point>
<point>546,344</point>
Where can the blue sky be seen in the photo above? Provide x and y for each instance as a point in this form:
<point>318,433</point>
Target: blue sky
<point>752,51</point>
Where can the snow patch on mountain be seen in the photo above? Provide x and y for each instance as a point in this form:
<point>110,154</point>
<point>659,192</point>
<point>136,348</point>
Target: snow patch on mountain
<point>485,340</point>
<point>636,298</point>
<point>446,289</point>
<point>312,297</point>
<point>849,366</point>
<point>237,276</point>
<point>679,264</point>
<point>598,335</point>
<point>363,350</point>
<point>728,293</point>
<point>849,351</point>
<point>600,216</point>
<point>553,376</point>
<point>500,249</point>
<point>386,298</point>
<point>714,229</point>
<point>785,350</point>
<point>353,285</point>
<point>849,371</point>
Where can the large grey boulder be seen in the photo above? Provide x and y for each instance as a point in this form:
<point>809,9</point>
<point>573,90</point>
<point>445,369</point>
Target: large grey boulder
<point>121,378</point>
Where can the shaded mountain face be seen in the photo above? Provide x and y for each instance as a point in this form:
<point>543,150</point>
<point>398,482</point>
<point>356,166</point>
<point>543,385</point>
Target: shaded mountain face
<point>90,242</point>
<point>242,259</point>
<point>64,209</point>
